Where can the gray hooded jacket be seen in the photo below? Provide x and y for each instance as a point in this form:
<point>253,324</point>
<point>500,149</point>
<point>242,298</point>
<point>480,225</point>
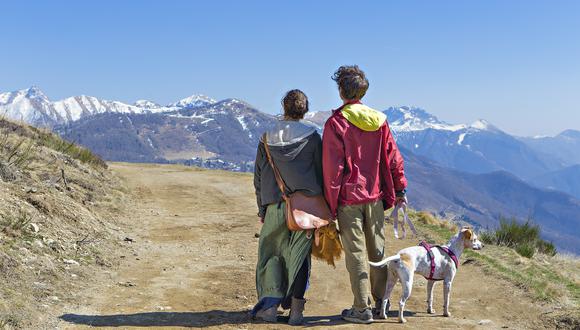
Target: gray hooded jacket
<point>296,149</point>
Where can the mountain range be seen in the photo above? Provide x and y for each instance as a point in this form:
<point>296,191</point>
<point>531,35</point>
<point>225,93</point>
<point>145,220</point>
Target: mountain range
<point>34,107</point>
<point>480,147</point>
<point>228,129</point>
<point>472,172</point>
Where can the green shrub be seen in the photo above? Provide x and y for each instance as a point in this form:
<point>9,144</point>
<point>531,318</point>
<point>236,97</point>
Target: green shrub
<point>522,237</point>
<point>525,250</point>
<point>487,237</point>
<point>546,248</point>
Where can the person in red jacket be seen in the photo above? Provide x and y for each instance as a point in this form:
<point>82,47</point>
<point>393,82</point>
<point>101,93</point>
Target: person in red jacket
<point>363,176</point>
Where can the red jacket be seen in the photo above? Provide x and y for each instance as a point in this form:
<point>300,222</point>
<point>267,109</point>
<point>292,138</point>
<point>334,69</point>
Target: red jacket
<point>360,159</point>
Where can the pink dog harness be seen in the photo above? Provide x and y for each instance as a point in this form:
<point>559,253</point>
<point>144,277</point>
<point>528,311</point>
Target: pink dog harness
<point>432,258</point>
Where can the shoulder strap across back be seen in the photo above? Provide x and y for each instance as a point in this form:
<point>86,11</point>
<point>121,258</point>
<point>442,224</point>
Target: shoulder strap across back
<point>277,175</point>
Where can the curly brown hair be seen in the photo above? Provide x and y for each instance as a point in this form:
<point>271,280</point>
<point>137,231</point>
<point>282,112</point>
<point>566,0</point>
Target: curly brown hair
<point>295,104</point>
<point>351,81</point>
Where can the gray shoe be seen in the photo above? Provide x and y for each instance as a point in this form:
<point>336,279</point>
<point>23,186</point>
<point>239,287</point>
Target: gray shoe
<point>296,312</point>
<point>355,316</point>
<point>269,315</point>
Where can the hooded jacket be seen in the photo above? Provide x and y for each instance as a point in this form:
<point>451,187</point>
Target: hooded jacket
<point>296,149</point>
<point>360,159</point>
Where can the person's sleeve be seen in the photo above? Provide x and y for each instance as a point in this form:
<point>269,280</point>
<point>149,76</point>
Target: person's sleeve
<point>333,158</point>
<point>257,179</point>
<point>396,162</point>
<point>318,158</point>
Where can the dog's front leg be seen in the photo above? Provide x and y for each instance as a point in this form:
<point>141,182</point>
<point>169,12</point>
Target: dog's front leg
<point>430,286</point>
<point>446,297</point>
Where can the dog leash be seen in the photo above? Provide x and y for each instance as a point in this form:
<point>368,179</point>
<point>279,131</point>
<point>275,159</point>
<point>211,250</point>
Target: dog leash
<point>402,206</point>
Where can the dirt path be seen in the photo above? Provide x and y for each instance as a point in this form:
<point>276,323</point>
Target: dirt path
<point>193,257</point>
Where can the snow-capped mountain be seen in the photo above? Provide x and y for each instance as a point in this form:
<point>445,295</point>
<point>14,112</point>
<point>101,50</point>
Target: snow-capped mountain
<point>196,100</point>
<point>479,147</point>
<point>29,105</point>
<point>76,107</point>
<point>34,107</point>
<point>146,104</point>
<point>409,119</point>
<point>228,129</point>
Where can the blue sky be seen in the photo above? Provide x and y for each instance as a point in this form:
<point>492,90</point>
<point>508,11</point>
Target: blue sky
<point>514,63</point>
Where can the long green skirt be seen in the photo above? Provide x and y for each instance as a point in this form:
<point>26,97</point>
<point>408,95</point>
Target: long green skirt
<point>281,254</point>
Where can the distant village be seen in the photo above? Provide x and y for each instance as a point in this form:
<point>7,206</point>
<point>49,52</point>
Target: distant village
<point>220,164</point>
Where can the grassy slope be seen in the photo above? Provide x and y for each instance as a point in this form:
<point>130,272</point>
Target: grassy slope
<point>553,281</point>
<point>58,205</point>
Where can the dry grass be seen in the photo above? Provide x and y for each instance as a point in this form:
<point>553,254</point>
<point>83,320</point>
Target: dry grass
<point>30,138</point>
<point>72,199</point>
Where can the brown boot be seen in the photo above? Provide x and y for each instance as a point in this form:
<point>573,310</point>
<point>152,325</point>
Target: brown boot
<point>269,315</point>
<point>296,310</point>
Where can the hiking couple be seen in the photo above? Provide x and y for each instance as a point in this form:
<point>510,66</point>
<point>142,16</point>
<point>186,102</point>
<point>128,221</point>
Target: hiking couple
<point>358,168</point>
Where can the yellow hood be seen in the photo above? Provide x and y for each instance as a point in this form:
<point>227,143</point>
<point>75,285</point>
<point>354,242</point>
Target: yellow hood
<point>363,117</point>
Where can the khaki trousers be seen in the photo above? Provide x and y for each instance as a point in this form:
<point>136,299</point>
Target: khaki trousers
<point>362,232</point>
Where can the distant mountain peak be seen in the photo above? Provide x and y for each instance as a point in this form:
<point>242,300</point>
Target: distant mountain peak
<point>34,91</point>
<point>233,102</point>
<point>483,125</point>
<point>194,100</point>
<point>146,104</point>
<point>405,118</point>
<point>570,133</point>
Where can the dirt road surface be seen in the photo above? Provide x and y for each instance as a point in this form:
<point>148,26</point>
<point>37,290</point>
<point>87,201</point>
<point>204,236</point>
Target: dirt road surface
<point>192,259</point>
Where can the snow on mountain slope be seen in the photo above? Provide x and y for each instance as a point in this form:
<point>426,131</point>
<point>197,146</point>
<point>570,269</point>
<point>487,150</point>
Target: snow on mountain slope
<point>73,108</point>
<point>34,107</point>
<point>476,148</point>
<point>229,113</point>
<point>146,104</point>
<point>317,118</point>
<point>406,119</point>
<point>409,119</point>
<point>29,105</point>
<point>228,129</point>
<point>195,100</point>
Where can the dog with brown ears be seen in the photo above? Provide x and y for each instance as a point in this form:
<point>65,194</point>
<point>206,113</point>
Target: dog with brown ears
<point>435,263</point>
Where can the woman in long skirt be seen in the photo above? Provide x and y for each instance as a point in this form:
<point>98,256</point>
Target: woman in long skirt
<point>283,265</point>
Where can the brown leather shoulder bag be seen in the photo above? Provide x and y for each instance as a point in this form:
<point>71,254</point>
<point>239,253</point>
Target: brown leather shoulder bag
<point>302,212</point>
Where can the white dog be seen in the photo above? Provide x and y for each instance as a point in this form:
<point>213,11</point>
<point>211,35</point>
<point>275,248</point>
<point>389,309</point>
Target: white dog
<point>436,263</point>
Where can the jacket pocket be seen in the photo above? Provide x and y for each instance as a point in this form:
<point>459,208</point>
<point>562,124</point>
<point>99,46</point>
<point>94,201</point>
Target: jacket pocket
<point>355,190</point>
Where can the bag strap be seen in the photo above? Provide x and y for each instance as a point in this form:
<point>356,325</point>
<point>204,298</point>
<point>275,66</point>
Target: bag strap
<point>277,175</point>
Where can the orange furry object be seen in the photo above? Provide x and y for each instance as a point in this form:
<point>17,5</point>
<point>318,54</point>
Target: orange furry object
<point>327,246</point>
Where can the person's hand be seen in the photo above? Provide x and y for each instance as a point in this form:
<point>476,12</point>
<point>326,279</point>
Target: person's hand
<point>401,200</point>
<point>261,219</point>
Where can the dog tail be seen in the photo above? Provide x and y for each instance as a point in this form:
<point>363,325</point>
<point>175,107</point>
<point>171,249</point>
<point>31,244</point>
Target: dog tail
<point>385,261</point>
